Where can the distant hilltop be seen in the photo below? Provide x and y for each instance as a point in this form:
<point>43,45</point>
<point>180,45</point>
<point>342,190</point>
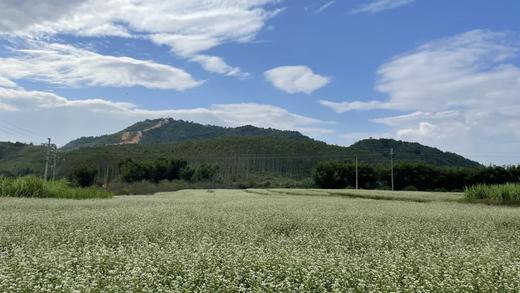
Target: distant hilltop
<point>168,131</point>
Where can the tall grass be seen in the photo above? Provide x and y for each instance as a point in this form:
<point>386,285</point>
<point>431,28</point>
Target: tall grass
<point>35,187</point>
<point>504,193</point>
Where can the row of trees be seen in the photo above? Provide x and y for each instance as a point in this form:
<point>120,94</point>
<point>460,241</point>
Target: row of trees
<point>411,176</point>
<point>164,169</point>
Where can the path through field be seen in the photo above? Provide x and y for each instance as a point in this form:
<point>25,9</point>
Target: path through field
<point>259,240</point>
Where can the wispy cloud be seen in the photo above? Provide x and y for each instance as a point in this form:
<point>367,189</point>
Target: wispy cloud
<point>459,93</point>
<point>381,5</point>
<point>189,28</point>
<point>325,6</point>
<point>74,67</point>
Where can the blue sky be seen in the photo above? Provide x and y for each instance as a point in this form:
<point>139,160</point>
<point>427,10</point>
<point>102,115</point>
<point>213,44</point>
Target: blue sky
<point>443,73</point>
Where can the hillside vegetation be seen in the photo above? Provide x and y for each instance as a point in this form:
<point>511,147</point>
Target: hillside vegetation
<point>243,152</point>
<point>169,131</point>
<point>235,155</point>
<point>18,159</point>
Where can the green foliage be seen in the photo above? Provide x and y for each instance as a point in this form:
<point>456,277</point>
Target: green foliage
<point>331,175</point>
<point>420,176</point>
<point>21,159</point>
<point>169,131</point>
<point>84,176</point>
<point>503,193</point>
<point>205,172</point>
<point>132,171</point>
<point>31,186</point>
<point>61,189</point>
<point>22,187</point>
<point>411,152</point>
<point>335,174</point>
<point>239,157</point>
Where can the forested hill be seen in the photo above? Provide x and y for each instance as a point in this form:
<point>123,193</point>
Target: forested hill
<point>246,148</point>
<point>209,141</point>
<point>20,159</point>
<point>170,131</point>
<point>411,152</point>
<point>288,156</point>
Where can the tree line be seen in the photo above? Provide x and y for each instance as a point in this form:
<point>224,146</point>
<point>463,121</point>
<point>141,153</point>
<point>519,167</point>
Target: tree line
<point>163,169</point>
<point>411,176</point>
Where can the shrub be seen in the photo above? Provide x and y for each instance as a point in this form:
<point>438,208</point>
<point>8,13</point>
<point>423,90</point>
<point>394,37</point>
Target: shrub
<point>503,193</point>
<point>31,186</point>
<point>6,186</point>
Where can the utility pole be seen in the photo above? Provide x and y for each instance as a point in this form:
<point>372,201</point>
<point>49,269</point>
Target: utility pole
<point>357,174</point>
<point>47,159</point>
<point>392,166</point>
<point>55,158</point>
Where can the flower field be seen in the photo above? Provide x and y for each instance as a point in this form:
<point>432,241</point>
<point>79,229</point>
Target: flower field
<point>259,240</point>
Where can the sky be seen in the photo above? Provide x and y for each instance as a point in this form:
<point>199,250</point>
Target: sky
<point>439,72</point>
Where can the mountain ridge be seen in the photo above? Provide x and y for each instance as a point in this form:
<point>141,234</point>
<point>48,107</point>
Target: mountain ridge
<point>264,149</point>
<point>168,131</point>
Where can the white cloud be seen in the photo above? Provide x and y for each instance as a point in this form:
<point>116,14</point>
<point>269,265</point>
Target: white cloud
<point>217,65</point>
<point>342,107</point>
<point>187,27</point>
<point>64,119</point>
<point>381,5</point>
<point>461,94</point>
<point>70,66</point>
<point>4,82</point>
<point>296,79</point>
<point>18,16</point>
<point>325,6</point>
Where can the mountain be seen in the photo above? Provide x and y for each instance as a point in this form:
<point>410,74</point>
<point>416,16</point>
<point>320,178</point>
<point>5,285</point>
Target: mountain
<point>169,131</point>
<point>411,152</point>
<point>20,159</point>
<point>238,151</point>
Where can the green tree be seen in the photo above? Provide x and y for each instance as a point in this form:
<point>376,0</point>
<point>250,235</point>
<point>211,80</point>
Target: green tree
<point>205,172</point>
<point>84,176</point>
<point>132,171</point>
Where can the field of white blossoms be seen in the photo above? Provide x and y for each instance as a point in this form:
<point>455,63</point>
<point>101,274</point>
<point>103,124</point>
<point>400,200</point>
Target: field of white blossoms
<point>258,240</point>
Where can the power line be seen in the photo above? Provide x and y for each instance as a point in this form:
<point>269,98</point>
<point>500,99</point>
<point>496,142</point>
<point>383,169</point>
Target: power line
<point>18,128</point>
<point>11,132</point>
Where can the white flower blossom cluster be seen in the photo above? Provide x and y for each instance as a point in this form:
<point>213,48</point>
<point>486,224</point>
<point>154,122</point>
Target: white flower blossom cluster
<point>236,241</point>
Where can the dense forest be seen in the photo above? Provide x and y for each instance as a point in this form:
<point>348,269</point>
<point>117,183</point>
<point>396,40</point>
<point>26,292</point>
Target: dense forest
<point>170,131</point>
<point>242,154</point>
<point>236,156</point>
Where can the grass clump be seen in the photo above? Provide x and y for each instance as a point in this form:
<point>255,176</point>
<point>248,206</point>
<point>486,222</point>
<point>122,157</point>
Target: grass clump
<point>35,187</point>
<point>503,193</point>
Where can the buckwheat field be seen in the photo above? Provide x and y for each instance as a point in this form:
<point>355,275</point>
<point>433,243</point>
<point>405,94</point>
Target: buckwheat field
<point>258,240</point>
